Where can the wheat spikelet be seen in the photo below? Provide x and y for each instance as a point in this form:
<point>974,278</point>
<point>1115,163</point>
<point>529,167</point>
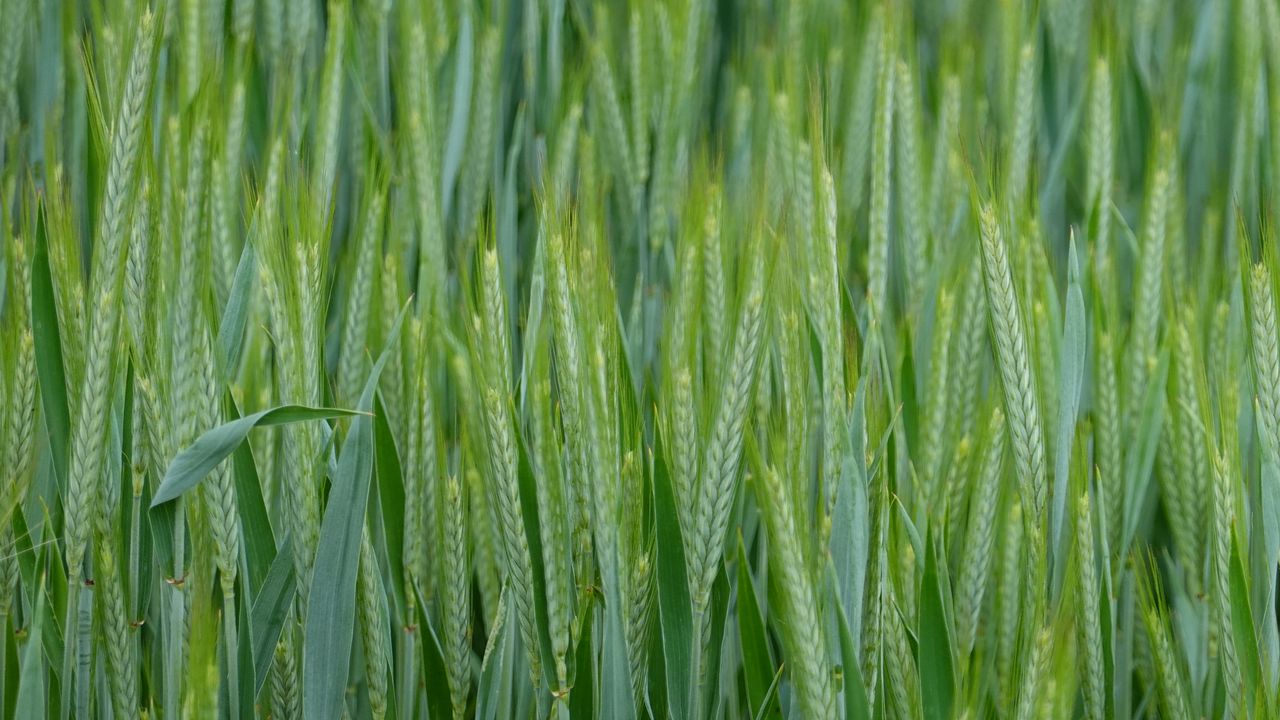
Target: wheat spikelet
<point>432,268</point>
<point>1107,439</point>
<point>801,630</point>
<point>955,490</point>
<point>420,511</point>
<point>873,619</point>
<point>941,177</point>
<point>562,168</point>
<point>1220,579</point>
<point>20,401</point>
<point>724,446</point>
<point>1022,145</point>
<point>1046,352</point>
<point>909,181</point>
<point>1008,601</point>
<point>903,678</point>
<point>1167,674</point>
<point>881,166</point>
<point>568,367</point>
<point>355,326</point>
<point>935,423</point>
<point>638,61</point>
<point>1034,675</point>
<point>242,20</point>
<point>639,610</point>
<point>88,438</point>
<point>456,600</point>
<point>1192,455</point>
<point>285,700</point>
<point>1019,384</point>
<point>480,141</point>
<point>971,348</point>
<point>300,20</point>
<point>684,450</point>
<point>107,589</point>
<point>329,112</point>
<point>138,273</point>
<point>392,379</point>
<point>219,490</point>
<point>1266,356</point>
<point>826,279</point>
<point>191,55</point>
<point>372,613</point>
<point>605,92</point>
<point>486,546</point>
<point>980,536</point>
<point>12,32</point>
<point>1148,284</point>
<point>9,575</point>
<point>505,489</point>
<point>1089,622</point>
<point>554,530</point>
<point>857,150</point>
<point>713,291</point>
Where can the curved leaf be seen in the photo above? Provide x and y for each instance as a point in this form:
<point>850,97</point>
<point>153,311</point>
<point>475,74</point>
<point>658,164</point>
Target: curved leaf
<point>192,464</point>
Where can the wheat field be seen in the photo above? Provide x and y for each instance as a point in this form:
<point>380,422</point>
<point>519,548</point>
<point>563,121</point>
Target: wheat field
<point>625,359</point>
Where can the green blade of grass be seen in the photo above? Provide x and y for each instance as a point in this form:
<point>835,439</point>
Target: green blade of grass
<point>675,608</point>
<point>331,616</point>
<point>270,612</point>
<point>191,465</point>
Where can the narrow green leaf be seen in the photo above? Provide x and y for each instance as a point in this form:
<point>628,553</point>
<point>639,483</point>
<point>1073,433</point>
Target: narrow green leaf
<point>770,697</point>
<point>675,609</point>
<point>437,688</point>
<point>937,675</point>
<point>1070,380</point>
<point>493,696</point>
<point>1242,625</point>
<point>582,700</point>
<point>849,527</point>
<point>270,613</point>
<point>460,108</point>
<point>757,661</point>
<point>195,462</point>
<point>1142,453</point>
<point>529,509</point>
<point>331,615</point>
<point>856,706</point>
<point>49,367</point>
<point>255,524</point>
<point>32,693</point>
<point>236,312</point>
<point>615,672</point>
<point>391,501</point>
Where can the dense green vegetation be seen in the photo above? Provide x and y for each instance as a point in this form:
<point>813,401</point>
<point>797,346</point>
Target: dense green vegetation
<point>641,358</point>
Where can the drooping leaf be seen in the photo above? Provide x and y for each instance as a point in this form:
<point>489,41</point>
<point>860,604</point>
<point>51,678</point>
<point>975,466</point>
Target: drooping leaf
<point>191,465</point>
